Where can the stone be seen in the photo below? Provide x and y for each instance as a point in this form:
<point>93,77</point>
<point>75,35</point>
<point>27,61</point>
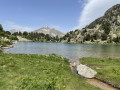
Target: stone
<point>73,64</point>
<point>85,71</point>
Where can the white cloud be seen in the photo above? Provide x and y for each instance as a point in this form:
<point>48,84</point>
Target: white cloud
<point>94,9</point>
<point>11,25</point>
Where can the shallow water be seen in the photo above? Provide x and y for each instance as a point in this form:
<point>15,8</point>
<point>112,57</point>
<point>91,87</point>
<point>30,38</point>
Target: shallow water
<point>70,51</point>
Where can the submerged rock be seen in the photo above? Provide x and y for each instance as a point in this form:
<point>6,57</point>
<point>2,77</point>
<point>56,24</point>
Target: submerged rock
<point>85,71</point>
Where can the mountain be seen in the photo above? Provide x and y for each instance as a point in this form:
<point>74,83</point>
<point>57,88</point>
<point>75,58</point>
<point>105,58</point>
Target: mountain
<point>14,30</point>
<point>50,31</point>
<point>111,16</point>
<point>105,29</point>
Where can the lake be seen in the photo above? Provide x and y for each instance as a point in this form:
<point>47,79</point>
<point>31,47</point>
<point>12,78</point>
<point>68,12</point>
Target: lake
<point>70,51</point>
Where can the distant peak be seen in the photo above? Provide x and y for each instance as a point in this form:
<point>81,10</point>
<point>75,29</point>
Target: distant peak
<point>50,31</point>
<point>45,27</point>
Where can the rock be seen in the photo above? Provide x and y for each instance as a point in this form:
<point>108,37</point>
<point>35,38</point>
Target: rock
<point>85,71</point>
<point>10,46</point>
<point>14,42</point>
<point>7,47</point>
<point>73,64</point>
<point>114,36</point>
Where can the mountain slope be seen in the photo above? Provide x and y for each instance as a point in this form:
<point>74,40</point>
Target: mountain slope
<point>13,31</point>
<point>50,31</point>
<point>112,16</point>
<point>105,29</point>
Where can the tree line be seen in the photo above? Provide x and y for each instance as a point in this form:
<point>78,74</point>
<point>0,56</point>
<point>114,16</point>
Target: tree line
<point>6,37</point>
<point>37,37</point>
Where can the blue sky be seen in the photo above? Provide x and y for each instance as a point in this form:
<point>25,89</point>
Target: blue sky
<point>64,15</point>
<point>61,14</point>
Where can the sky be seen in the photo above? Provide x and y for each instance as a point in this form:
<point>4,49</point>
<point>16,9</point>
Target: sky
<point>64,15</point>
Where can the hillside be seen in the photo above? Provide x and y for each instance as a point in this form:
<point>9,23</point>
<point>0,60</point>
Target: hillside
<point>14,30</point>
<point>44,34</point>
<point>5,37</point>
<point>51,31</point>
<point>35,37</point>
<point>105,29</point>
<point>111,17</point>
<point>23,39</point>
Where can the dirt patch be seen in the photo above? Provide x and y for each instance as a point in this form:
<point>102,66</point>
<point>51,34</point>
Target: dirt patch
<point>100,84</point>
<point>23,39</point>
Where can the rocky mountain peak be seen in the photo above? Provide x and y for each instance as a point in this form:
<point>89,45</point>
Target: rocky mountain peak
<point>50,31</point>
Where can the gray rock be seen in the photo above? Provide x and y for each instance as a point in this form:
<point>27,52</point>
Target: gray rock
<point>85,71</point>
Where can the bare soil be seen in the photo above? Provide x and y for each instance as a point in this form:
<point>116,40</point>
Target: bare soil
<point>22,39</point>
<point>100,84</point>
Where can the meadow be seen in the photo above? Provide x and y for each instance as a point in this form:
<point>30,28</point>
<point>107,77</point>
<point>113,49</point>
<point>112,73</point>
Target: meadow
<point>38,72</point>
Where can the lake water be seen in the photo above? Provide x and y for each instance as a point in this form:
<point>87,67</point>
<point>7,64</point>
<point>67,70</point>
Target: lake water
<point>70,51</point>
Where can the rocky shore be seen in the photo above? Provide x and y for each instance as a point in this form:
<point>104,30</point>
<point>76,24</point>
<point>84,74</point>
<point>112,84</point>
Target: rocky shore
<point>6,47</point>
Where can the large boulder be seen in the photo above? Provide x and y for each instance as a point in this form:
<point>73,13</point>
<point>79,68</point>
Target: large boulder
<point>85,71</point>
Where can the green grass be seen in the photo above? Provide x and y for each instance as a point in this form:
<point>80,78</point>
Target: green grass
<point>1,51</point>
<point>38,72</point>
<point>108,69</point>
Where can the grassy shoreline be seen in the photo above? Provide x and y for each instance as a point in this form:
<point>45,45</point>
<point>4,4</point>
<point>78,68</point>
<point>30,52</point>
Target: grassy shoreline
<point>39,72</point>
<point>108,69</point>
